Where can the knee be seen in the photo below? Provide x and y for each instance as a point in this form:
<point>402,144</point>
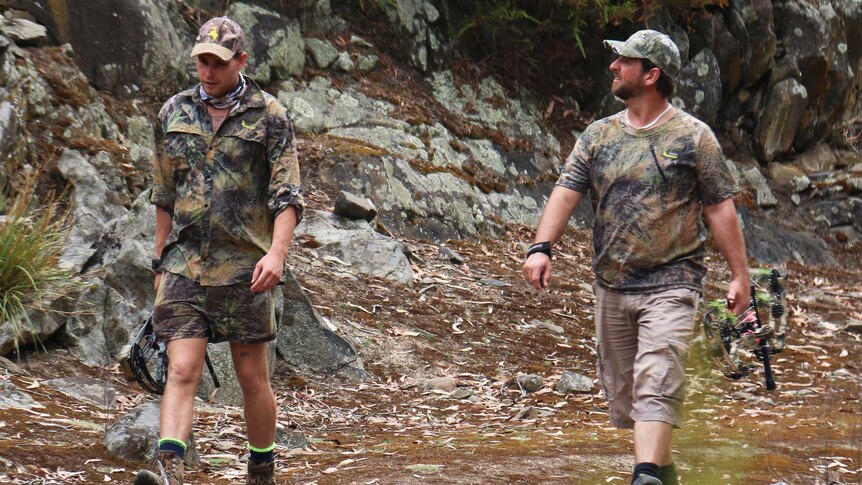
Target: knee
<point>253,383</point>
<point>184,373</point>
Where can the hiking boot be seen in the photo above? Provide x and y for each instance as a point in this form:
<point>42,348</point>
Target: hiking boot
<point>170,471</point>
<point>644,479</point>
<point>261,473</point>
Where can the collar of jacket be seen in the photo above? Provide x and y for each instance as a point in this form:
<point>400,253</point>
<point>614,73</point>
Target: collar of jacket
<point>253,97</point>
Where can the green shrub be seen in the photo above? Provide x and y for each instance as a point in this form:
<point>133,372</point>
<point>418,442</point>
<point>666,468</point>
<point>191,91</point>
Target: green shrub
<point>31,241</point>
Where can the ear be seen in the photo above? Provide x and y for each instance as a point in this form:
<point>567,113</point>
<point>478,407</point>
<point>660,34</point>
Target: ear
<point>651,77</point>
<point>242,58</point>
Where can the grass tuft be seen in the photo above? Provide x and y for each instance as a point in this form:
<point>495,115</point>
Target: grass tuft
<point>31,242</point>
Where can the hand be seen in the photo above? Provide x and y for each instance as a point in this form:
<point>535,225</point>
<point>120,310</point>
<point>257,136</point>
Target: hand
<point>537,270</point>
<point>158,280</point>
<point>267,272</point>
<point>738,295</point>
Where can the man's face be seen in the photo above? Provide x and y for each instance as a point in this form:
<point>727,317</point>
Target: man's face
<point>219,77</point>
<point>629,77</point>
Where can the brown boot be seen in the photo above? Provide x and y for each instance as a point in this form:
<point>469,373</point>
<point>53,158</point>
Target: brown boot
<point>261,473</point>
<point>170,471</point>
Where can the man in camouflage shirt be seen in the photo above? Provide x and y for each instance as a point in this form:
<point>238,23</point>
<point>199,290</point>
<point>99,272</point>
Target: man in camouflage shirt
<point>659,185</point>
<point>226,190</point>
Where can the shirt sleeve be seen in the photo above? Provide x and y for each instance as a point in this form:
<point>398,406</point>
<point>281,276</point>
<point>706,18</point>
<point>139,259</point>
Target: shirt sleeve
<point>575,173</point>
<point>284,186</point>
<point>715,181</point>
<point>164,192</point>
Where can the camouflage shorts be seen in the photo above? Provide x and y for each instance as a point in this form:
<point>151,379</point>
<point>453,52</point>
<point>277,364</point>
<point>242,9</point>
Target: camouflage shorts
<point>185,309</point>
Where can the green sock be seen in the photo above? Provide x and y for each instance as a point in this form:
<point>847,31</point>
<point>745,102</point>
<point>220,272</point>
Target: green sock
<point>261,455</point>
<point>175,445</point>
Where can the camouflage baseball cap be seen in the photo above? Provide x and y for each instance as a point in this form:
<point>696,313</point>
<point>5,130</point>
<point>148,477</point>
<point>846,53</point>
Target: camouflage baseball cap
<point>651,45</point>
<point>220,36</point>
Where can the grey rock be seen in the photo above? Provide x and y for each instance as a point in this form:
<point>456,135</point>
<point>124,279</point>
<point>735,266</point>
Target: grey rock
<point>87,389</point>
<point>699,86</point>
<point>91,205</point>
<point>317,107</point>
<point>274,43</point>
<point>323,53</point>
<point>801,183</point>
<point>778,122</point>
<point>24,32</point>
<point>359,41</point>
<point>354,206</point>
<point>122,46</point>
<point>306,343</point>
<point>367,63</point>
<point>757,33</point>
<point>756,180</point>
<point>494,283</point>
<point>355,242</point>
<point>461,393</point>
<point>529,382</point>
<point>11,397</point>
<point>450,255</point>
<point>422,32</point>
<point>291,439</point>
<point>136,434</point>
<point>833,213</point>
<point>344,63</point>
<point>768,243</point>
<point>573,382</point>
<point>548,325</point>
<point>445,384</point>
<point>819,158</point>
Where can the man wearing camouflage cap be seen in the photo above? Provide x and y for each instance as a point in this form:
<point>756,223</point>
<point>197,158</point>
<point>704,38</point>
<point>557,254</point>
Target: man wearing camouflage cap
<point>659,186</point>
<point>227,197</point>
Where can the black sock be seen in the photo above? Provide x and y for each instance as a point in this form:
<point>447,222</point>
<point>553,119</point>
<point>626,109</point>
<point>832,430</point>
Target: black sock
<point>645,468</point>
<point>667,475</point>
<point>170,444</point>
<point>265,455</point>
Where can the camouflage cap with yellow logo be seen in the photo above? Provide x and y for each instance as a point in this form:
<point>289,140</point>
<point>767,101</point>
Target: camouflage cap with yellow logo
<point>651,45</point>
<point>220,36</point>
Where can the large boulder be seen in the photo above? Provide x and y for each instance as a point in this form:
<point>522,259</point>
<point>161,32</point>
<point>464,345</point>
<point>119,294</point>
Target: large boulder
<point>422,29</point>
<point>136,434</point>
<point>357,244</point>
<point>757,34</point>
<point>306,343</point>
<point>274,43</point>
<point>699,86</point>
<point>122,46</point>
<point>778,122</point>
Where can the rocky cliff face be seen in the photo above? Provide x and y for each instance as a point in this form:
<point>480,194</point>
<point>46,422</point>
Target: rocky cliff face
<point>441,155</point>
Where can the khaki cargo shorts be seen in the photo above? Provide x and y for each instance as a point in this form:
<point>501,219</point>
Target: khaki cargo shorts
<point>643,345</point>
<point>185,309</point>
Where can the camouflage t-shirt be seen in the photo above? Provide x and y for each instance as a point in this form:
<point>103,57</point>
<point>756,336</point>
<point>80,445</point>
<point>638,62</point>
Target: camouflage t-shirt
<point>648,189</point>
<point>224,189</point>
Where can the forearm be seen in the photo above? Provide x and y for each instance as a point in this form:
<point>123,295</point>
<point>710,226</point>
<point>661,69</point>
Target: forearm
<point>282,232</point>
<point>555,218</point>
<point>164,224</point>
<point>728,237</point>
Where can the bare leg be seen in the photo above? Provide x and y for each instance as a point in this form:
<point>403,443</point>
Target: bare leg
<point>251,367</point>
<point>653,442</point>
<point>185,364</point>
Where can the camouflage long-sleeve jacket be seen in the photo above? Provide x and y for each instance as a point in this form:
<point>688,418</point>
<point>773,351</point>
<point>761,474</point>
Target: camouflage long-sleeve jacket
<point>224,189</point>
<point>648,189</point>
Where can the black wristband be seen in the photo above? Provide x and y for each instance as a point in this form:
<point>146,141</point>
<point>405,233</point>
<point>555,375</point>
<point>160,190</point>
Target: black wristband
<point>541,247</point>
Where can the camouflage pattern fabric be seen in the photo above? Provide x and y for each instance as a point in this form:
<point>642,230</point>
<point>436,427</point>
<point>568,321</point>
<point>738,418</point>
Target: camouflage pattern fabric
<point>220,36</point>
<point>224,189</point>
<point>185,309</point>
<point>652,45</point>
<point>648,188</point>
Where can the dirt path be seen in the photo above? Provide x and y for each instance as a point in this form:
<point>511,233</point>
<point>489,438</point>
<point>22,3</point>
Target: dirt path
<point>476,324</point>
